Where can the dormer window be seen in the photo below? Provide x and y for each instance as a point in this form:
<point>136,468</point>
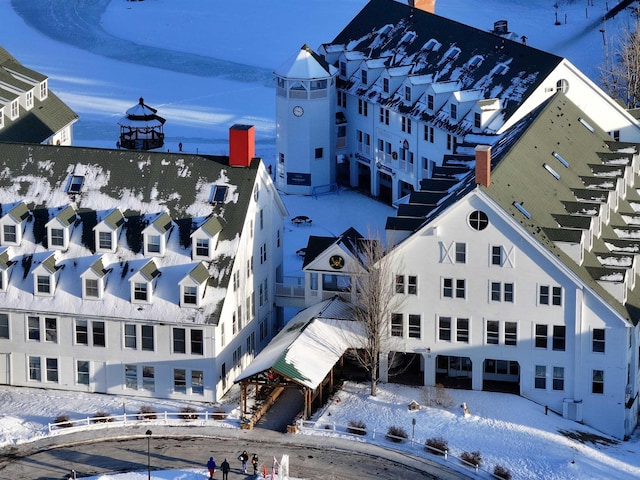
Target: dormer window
<point>93,281</point>
<point>192,286</point>
<point>385,85</point>
<point>430,102</point>
<point>454,111</point>
<point>59,228</point>
<point>203,239</point>
<point>15,109</point>
<point>343,69</point>
<point>9,235</point>
<point>11,224</point>
<point>430,45</point>
<point>1,117</point>
<point>155,236</point>
<point>29,100</point>
<point>477,120</point>
<point>142,283</point>
<point>44,276</point>
<point>43,90</point>
<point>363,77</point>
<point>106,231</point>
<point>451,54</point>
<point>407,94</point>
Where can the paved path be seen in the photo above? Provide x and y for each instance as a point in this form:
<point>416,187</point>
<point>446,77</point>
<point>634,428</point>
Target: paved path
<point>93,452</point>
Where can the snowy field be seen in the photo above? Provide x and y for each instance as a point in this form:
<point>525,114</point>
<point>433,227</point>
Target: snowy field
<point>206,65</point>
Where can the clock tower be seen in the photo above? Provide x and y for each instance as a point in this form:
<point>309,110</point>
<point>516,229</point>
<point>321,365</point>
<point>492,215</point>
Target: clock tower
<point>305,123</point>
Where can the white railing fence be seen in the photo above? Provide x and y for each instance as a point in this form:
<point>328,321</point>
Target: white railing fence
<point>383,438</point>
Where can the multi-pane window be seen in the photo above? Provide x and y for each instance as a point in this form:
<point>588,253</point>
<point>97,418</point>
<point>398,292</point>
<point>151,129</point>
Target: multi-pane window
<point>540,380</point>
<point>396,325</point>
<point>35,369</point>
<point>131,377</point>
<point>510,333</point>
<point>148,378</point>
<point>558,378</point>
<point>501,292</point>
<point>462,330</point>
<point>598,340</point>
<point>496,255</point>
<point>541,336</point>
<point>319,152</point>
<point>82,332</point>
<point>140,291</point>
<point>197,342</point>
<point>478,220</point>
<point>52,369</point>
<point>399,283</point>
<point>179,380</point>
<point>190,295</point>
<point>130,336</point>
<point>444,329</point>
<point>153,243</point>
<point>559,337</point>
<point>407,93</point>
<point>451,141</point>
<point>44,284</point>
<point>430,102</point>
<point>82,372</point>
<point>91,288</point>
<point>237,357</point>
<point>264,329</point>
<point>364,76</point>
<point>363,107</point>
<point>33,325</point>
<point>197,382</point>
<point>385,85</point>
<point>597,381</point>
<point>342,102</point>
<point>384,116</point>
<point>406,124</point>
<point>202,247</point>
<point>4,325</point>
<point>147,337</point>
<point>98,334</point>
<point>104,240</point>
<point>453,287</point>
<point>477,120</point>
<point>461,252</point>
<point>493,333</point>
<point>412,285</point>
<point>51,330</point>
<point>550,295</point>
<point>454,111</point>
<point>414,325</point>
<point>10,235</point>
<point>428,133</point>
<point>179,341</point>
<point>57,237</point>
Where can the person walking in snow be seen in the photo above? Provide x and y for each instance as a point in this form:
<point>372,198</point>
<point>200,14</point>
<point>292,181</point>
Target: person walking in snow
<point>225,467</point>
<point>254,462</point>
<point>211,466</point>
<point>244,458</point>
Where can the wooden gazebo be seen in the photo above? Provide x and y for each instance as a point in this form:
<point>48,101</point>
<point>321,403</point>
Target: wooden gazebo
<point>141,128</point>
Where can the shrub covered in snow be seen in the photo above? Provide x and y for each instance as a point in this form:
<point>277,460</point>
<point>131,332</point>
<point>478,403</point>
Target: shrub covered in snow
<point>436,445</point>
<point>357,427</point>
<point>396,434</point>
<point>502,472</point>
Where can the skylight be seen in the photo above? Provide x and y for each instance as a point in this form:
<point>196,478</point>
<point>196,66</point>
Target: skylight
<point>560,159</point>
<point>219,193</point>
<point>586,124</point>
<point>76,184</point>
<point>552,171</point>
<point>521,209</point>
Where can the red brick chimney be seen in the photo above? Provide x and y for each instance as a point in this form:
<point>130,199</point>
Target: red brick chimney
<point>426,5</point>
<point>242,145</point>
<point>483,165</point>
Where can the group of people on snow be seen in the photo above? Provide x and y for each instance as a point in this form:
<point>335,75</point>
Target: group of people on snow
<point>225,467</point>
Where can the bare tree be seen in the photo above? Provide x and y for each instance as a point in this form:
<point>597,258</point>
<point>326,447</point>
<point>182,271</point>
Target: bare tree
<point>620,73</point>
<point>375,301</point>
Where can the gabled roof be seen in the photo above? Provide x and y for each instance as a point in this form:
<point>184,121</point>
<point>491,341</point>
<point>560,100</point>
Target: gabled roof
<point>350,239</point>
<point>322,332</point>
<point>446,50</point>
<point>141,184</point>
<point>114,219</point>
<point>47,116</point>
<point>547,174</point>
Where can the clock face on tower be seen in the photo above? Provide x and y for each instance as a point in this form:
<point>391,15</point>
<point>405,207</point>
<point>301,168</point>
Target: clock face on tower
<point>298,111</point>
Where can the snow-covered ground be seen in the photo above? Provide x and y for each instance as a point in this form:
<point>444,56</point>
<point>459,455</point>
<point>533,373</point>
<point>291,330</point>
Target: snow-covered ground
<point>206,65</point>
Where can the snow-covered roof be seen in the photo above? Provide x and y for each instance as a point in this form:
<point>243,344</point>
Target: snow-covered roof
<point>323,332</point>
<point>147,187</point>
<point>306,65</point>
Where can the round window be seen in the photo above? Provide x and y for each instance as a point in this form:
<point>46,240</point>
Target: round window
<point>478,220</point>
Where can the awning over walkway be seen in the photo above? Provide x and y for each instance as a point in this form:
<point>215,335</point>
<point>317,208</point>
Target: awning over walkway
<point>310,345</point>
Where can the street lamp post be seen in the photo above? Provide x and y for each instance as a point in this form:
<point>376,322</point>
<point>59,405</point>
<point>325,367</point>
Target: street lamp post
<point>413,428</point>
<point>149,433</point>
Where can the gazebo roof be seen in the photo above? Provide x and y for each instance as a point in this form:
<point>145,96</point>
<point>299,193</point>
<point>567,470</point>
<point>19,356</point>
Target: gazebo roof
<point>141,115</point>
